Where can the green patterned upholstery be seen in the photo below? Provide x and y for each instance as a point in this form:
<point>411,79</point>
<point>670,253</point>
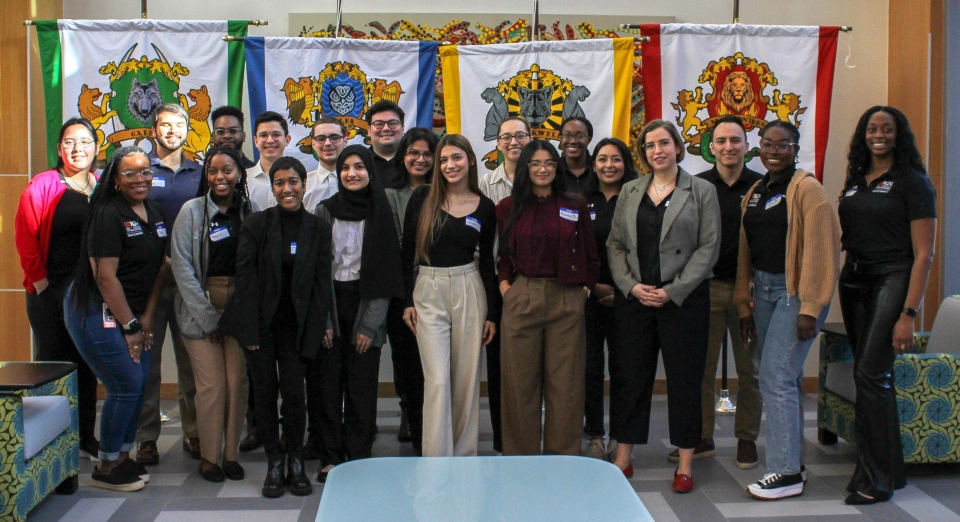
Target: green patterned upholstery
<point>25,482</point>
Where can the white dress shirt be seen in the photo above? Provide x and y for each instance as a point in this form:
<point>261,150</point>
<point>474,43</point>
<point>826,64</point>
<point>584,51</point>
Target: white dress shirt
<point>259,188</point>
<point>347,247</point>
<point>321,184</point>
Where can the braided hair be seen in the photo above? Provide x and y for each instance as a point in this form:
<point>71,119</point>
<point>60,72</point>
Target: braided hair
<point>241,195</point>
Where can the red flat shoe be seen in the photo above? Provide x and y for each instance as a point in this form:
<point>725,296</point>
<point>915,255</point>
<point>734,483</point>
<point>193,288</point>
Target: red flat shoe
<point>682,483</point>
<point>628,471</point>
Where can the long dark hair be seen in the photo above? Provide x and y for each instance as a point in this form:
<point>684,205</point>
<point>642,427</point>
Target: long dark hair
<point>523,188</point>
<point>629,169</point>
<point>84,276</point>
<point>93,134</point>
<point>409,138</point>
<point>906,155</point>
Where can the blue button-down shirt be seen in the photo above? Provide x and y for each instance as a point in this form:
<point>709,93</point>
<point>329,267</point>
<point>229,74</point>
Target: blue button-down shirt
<point>173,189</point>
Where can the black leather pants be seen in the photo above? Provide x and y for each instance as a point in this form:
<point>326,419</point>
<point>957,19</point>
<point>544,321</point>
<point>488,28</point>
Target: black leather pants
<point>871,299</point>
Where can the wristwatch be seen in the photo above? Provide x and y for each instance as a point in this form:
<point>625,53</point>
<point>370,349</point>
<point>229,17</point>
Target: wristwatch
<point>910,312</point>
<point>131,328</point>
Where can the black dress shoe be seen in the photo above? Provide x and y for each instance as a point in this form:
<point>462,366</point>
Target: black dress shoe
<point>212,474</point>
<point>403,434</point>
<point>233,470</point>
<point>250,442</point>
<point>275,485</point>
<point>297,479</point>
<point>322,475</point>
<point>192,446</point>
<point>856,499</point>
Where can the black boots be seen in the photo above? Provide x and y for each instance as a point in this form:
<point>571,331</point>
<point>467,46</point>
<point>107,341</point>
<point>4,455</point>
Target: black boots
<point>297,479</point>
<point>275,484</point>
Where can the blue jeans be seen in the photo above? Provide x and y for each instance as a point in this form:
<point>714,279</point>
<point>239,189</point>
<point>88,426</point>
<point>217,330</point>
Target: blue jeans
<point>781,370</point>
<point>105,350</point>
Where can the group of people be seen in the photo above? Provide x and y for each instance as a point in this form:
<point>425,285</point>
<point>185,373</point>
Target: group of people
<point>275,281</point>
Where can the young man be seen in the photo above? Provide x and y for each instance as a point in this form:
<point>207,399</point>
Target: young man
<point>228,131</point>
<point>329,138</point>
<point>385,120</point>
<point>512,135</point>
<point>175,181</point>
<point>732,180</point>
<point>271,137</point>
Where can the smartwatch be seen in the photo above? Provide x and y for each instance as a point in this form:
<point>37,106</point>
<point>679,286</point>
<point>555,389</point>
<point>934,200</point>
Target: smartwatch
<point>131,328</point>
<point>910,312</point>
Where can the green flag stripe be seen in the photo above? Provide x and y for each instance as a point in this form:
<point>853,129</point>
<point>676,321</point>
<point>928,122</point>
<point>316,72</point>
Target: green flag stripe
<point>48,35</point>
<point>235,62</point>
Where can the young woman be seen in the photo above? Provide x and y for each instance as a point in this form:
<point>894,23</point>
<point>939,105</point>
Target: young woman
<point>366,274</point>
<point>204,258</point>
<point>447,308</point>
<point>109,308</point>
<point>575,136</point>
<point>790,249</point>
<point>888,213</point>
<point>612,168</point>
<point>51,212</point>
<point>282,284</point>
<point>664,241</point>
<point>548,266</point>
<point>414,160</point>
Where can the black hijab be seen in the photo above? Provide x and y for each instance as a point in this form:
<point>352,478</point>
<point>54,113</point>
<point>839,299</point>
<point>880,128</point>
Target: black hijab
<point>380,269</point>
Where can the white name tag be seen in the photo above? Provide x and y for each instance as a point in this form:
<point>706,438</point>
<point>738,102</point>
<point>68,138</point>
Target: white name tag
<point>569,215</point>
<point>159,182</point>
<point>850,192</point>
<point>667,204</point>
<point>593,216</point>
<point>772,202</point>
<point>161,230</point>
<point>293,248</point>
<point>219,234</point>
<point>473,223</point>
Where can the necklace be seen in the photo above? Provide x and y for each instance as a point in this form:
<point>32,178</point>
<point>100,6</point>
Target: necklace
<point>80,189</point>
<point>662,188</point>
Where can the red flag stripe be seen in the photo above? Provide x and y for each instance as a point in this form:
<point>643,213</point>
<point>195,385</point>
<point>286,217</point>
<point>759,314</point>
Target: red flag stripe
<point>825,68</point>
<point>652,80</point>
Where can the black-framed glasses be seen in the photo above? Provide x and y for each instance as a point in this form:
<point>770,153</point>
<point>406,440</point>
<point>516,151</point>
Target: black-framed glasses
<point>537,165</point>
<point>391,124</point>
<point>334,138</point>
<point>507,138</point>
<point>223,131</point>
<point>780,146</point>
<point>579,136</point>
<point>131,175</point>
<point>415,155</point>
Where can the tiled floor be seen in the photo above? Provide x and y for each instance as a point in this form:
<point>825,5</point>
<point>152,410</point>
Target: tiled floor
<point>176,492</point>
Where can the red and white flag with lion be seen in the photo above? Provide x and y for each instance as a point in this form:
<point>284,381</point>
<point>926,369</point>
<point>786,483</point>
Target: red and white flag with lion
<point>696,74</point>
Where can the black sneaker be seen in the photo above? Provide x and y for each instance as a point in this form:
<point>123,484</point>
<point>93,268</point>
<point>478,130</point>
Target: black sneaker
<point>774,486</point>
<point>90,449</point>
<point>138,468</point>
<point>123,477</point>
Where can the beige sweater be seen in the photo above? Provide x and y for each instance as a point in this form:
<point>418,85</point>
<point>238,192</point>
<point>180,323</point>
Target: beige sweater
<point>813,248</point>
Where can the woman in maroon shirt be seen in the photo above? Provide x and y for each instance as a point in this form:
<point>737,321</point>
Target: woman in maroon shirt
<point>548,265</point>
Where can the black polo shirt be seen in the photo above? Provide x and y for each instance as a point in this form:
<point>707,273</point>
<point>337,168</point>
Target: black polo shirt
<point>139,245</point>
<point>583,184</point>
<point>224,235</point>
<point>765,224</point>
<point>601,216</point>
<point>875,218</point>
<point>390,176</point>
<point>649,224</point>
<point>730,197</point>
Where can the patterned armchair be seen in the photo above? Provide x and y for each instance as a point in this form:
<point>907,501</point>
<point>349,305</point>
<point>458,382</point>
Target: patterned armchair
<point>25,481</point>
<point>927,383</point>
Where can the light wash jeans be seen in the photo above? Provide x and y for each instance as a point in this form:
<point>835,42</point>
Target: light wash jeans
<point>781,370</point>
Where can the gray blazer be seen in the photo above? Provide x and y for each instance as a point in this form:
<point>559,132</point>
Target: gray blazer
<point>689,239</point>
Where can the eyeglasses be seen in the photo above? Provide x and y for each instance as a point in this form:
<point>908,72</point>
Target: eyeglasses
<point>536,165</point>
<point>414,155</point>
<point>131,175</point>
<point>334,138</point>
<point>652,145</point>
<point>780,146</point>
<point>392,124</point>
<point>579,136</point>
<point>265,135</point>
<point>221,131</point>
<point>71,143</point>
<point>507,138</point>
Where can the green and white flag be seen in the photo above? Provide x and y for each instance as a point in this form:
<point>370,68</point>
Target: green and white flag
<point>116,72</point>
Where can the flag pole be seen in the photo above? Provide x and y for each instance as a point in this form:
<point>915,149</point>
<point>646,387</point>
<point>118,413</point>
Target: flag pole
<point>736,11</point>
<point>535,30</point>
<point>29,120</point>
<point>143,9</point>
<point>339,18</point>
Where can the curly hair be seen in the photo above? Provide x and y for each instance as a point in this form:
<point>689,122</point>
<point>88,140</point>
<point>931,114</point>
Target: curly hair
<point>906,155</point>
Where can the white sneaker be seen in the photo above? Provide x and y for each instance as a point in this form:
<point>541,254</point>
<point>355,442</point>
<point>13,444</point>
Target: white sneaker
<point>612,450</point>
<point>595,449</point>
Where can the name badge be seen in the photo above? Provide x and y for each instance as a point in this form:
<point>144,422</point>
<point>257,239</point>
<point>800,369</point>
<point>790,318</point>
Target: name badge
<point>569,215</point>
<point>293,248</point>
<point>772,202</point>
<point>473,223</point>
<point>159,182</point>
<point>133,228</point>
<point>161,230</point>
<point>850,192</point>
<point>754,199</point>
<point>667,204</point>
<point>883,188</point>
<point>593,216</point>
<point>219,233</point>
<point>108,320</point>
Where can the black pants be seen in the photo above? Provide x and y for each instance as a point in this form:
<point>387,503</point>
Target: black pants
<point>278,367</point>
<point>407,370</point>
<point>601,323</point>
<point>871,299</point>
<point>493,379</point>
<point>53,343</point>
<point>348,386</point>
<point>681,332</point>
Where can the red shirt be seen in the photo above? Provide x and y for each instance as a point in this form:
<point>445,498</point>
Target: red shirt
<point>552,238</point>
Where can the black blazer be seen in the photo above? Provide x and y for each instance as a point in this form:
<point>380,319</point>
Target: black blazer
<point>249,313</point>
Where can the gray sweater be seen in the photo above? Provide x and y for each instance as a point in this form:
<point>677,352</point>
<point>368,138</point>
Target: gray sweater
<point>196,317</point>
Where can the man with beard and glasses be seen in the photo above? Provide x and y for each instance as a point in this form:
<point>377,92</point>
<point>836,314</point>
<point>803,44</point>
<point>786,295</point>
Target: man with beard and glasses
<point>175,181</point>
<point>228,131</point>
<point>385,119</point>
<point>329,138</point>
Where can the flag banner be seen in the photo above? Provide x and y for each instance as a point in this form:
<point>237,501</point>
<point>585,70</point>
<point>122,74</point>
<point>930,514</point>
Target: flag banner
<point>306,79</point>
<point>115,73</point>
<point>696,74</point>
<point>542,82</point>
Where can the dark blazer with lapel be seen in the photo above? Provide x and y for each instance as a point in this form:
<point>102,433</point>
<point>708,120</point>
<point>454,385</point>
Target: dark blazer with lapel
<point>250,312</point>
<point>689,239</point>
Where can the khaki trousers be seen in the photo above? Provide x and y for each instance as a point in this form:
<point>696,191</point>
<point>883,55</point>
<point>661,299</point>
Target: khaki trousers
<point>543,359</point>
<point>220,373</point>
<point>723,317</point>
<point>451,309</point>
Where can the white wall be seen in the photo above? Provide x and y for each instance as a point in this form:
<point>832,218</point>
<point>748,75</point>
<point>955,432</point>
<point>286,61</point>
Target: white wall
<point>856,88</point>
